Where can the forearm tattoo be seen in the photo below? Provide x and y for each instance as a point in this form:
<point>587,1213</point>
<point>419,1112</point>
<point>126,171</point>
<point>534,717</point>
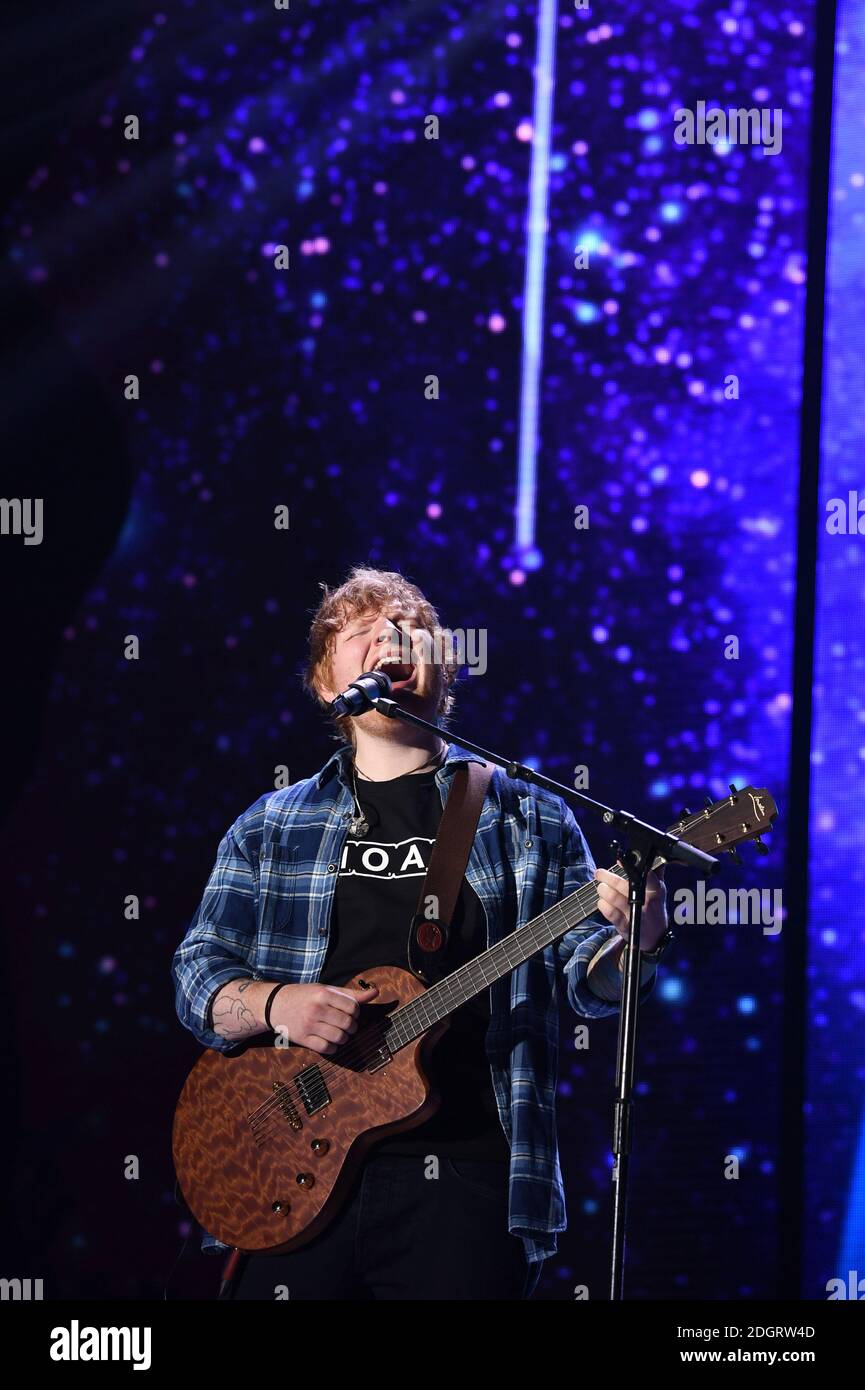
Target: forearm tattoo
<point>231,1016</point>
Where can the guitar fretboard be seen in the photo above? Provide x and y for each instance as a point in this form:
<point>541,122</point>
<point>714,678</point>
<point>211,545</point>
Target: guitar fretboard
<point>441,999</point>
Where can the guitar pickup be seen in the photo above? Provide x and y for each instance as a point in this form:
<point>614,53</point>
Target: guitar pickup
<point>312,1090</point>
<point>380,1058</point>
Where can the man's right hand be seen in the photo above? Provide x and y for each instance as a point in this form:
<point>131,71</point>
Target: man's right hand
<point>320,1017</point>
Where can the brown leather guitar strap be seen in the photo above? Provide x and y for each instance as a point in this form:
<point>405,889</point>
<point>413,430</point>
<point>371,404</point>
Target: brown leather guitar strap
<point>446,871</point>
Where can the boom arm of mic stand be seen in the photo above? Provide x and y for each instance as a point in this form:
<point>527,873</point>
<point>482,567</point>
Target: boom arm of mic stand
<point>643,836</point>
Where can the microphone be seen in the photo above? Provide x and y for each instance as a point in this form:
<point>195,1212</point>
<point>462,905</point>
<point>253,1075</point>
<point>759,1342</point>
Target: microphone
<point>362,693</point>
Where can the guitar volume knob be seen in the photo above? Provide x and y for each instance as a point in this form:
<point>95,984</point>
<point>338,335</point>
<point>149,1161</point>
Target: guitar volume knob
<point>319,1146</point>
<point>305,1179</point>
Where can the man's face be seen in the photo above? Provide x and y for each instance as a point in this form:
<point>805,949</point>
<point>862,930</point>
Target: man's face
<point>394,641</point>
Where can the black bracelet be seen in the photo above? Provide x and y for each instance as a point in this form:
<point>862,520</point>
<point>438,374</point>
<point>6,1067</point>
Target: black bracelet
<point>270,998</point>
<point>661,945</point>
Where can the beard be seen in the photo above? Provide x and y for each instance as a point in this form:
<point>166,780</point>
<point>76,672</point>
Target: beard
<point>426,703</point>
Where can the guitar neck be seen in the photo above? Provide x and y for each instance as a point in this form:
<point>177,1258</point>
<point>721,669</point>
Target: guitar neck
<point>441,999</point>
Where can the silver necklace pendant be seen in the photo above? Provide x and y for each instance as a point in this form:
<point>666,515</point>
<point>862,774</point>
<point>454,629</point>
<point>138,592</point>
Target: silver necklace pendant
<point>358,825</point>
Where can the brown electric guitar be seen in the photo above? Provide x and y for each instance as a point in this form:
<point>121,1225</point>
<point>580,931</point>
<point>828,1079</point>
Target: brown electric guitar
<point>267,1141</point>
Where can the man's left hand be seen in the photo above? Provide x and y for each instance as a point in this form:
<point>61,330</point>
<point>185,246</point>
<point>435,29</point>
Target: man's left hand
<point>613,895</point>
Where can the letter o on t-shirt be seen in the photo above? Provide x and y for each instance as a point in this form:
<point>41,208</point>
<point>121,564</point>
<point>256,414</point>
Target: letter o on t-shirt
<point>367,861</point>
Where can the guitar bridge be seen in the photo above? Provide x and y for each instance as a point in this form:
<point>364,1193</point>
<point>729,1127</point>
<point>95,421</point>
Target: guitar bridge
<point>261,1122</point>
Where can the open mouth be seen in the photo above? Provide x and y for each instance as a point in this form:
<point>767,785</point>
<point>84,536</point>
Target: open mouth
<point>403,674</point>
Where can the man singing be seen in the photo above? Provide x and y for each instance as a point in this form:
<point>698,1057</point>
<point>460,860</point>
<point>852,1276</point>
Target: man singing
<point>466,1205</point>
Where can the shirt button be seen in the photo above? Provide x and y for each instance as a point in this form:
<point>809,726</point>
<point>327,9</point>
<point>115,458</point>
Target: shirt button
<point>331,868</point>
<point>322,931</point>
<point>528,844</point>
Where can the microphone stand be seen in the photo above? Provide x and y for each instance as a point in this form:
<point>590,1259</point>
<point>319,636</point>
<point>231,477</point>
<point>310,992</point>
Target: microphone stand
<point>643,846</point>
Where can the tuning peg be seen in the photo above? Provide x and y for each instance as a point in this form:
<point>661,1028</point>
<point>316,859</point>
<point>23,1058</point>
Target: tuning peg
<point>686,811</point>
<point>760,847</point>
<point>709,801</point>
<point>733,788</point>
<point>735,856</point>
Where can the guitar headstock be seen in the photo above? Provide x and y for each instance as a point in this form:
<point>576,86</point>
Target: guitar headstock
<point>746,814</point>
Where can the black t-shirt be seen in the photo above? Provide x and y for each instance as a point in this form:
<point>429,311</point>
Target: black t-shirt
<point>380,878</point>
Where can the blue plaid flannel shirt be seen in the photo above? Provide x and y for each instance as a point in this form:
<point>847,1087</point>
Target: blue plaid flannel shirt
<point>265,914</point>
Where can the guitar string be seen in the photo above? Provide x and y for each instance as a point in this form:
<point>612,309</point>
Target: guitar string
<point>348,1051</point>
<point>336,1069</point>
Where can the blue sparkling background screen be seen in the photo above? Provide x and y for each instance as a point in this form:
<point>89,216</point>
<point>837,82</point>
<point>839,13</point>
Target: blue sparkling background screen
<point>305,387</point>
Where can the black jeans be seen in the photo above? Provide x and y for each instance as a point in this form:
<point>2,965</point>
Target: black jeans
<point>404,1235</point>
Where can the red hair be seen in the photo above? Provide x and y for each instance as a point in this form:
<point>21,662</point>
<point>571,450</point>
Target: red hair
<point>368,590</point>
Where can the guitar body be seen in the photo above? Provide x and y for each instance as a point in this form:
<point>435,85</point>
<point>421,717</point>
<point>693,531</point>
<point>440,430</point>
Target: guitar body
<point>267,1142</point>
